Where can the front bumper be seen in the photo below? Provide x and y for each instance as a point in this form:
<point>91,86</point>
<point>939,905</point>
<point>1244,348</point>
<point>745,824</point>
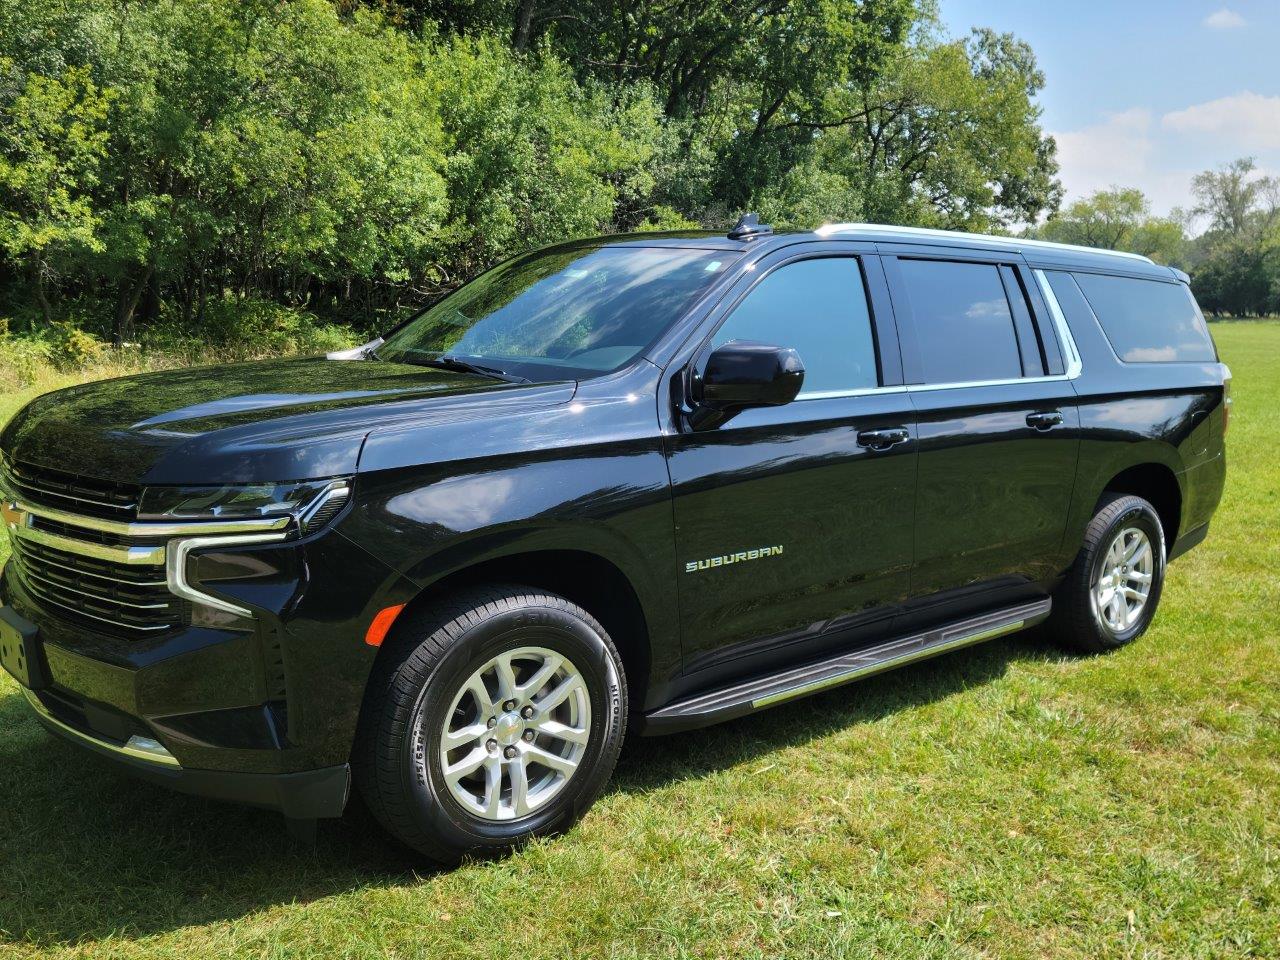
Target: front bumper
<point>262,711</point>
<point>306,795</point>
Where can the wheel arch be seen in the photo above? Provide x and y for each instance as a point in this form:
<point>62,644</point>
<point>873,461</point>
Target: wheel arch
<point>587,579</point>
<point>1155,483</point>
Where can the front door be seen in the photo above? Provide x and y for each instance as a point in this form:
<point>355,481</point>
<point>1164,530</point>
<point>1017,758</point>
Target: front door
<point>998,431</point>
<point>793,523</point>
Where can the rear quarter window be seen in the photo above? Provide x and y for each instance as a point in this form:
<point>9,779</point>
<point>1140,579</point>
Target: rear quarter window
<point>1147,321</point>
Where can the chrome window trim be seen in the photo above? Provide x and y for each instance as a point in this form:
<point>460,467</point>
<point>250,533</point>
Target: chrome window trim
<point>836,394</point>
<point>920,387</point>
<point>137,748</point>
<point>1072,353</point>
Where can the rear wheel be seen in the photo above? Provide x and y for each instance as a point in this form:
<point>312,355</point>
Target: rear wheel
<point>1110,596</point>
<point>494,717</point>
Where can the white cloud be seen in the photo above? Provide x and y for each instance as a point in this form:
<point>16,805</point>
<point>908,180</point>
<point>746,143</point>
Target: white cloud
<point>1224,19</point>
<point>1116,151</point>
<point>1241,123</point>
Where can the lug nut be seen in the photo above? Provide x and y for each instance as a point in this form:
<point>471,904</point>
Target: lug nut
<point>509,753</point>
<point>493,722</point>
<point>509,706</point>
<point>529,735</point>
<point>527,712</point>
<point>492,745</point>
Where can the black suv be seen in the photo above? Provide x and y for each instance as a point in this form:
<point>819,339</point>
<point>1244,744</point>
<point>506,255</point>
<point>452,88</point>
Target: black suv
<point>634,483</point>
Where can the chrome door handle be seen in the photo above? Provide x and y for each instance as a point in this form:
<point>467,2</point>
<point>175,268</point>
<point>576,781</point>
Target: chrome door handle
<point>1044,421</point>
<point>883,439</point>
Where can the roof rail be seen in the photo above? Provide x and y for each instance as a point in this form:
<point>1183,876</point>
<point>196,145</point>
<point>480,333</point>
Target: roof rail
<point>829,229</point>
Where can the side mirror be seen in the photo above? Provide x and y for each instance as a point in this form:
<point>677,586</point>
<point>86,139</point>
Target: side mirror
<point>743,374</point>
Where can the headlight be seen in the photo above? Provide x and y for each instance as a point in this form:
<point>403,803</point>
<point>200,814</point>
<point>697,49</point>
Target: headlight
<point>244,502</point>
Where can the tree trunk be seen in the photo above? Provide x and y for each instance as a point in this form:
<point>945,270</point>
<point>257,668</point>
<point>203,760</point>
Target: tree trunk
<point>523,33</point>
<point>130,293</point>
<point>42,293</point>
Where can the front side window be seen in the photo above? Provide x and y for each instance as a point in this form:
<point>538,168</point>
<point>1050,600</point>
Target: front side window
<point>964,327</point>
<point>571,312</point>
<point>819,309</point>
<point>1147,321</point>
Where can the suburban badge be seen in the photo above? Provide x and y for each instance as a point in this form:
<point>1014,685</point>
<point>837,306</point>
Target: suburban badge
<point>758,553</point>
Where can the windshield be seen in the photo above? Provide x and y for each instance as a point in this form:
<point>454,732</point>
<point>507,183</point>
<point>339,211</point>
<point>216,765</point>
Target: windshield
<point>564,313</point>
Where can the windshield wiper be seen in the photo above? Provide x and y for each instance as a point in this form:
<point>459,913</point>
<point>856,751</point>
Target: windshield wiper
<point>445,362</point>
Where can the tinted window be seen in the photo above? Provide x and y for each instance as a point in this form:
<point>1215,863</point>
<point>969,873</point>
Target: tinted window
<point>964,327</point>
<point>819,308</point>
<point>571,311</point>
<point>1147,321</point>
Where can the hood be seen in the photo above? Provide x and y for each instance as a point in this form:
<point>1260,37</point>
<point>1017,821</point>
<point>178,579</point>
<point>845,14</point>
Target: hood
<point>274,420</point>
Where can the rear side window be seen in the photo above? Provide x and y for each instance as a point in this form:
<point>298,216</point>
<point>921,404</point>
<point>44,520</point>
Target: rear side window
<point>1147,321</point>
<point>964,327</point>
<point>818,308</point>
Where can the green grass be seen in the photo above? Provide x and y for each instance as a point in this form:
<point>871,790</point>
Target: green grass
<point>1006,801</point>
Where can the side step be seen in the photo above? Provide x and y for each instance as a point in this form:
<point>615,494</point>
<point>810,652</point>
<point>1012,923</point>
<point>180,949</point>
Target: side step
<point>761,692</point>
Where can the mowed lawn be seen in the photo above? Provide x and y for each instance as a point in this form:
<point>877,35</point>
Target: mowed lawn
<point>1007,801</point>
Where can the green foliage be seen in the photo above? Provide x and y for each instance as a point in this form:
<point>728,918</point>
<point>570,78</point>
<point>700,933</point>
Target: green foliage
<point>51,143</point>
<point>1238,258</point>
<point>73,348</point>
<point>947,136</point>
<point>1118,219</point>
<point>162,157</point>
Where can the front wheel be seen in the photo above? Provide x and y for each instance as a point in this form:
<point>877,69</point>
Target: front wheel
<point>1110,595</point>
<point>495,717</point>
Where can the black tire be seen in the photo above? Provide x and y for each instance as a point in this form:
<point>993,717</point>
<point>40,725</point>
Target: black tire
<point>423,666</point>
<point>1077,622</point>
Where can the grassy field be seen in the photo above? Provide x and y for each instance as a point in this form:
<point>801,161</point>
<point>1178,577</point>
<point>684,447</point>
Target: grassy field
<point>1007,801</point>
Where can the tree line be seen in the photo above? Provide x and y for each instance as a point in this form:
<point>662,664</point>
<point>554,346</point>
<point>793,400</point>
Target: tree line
<point>158,157</point>
<point>1234,260</point>
<point>164,160</point>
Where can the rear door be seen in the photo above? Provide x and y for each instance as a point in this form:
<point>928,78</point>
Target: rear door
<point>997,423</point>
<point>793,524</point>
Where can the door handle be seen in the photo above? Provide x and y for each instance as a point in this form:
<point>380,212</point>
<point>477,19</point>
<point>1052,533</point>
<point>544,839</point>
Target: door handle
<point>883,439</point>
<point>1044,421</point>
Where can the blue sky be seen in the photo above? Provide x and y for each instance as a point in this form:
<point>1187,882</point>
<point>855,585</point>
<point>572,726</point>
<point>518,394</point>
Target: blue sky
<point>1146,94</point>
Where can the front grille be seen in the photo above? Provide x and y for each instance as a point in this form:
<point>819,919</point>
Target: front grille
<point>67,491</point>
<point>85,534</point>
<point>127,599</point>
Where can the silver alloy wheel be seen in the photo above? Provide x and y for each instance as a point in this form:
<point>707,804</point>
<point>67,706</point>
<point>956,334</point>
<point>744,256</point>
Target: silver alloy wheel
<point>515,733</point>
<point>1123,582</point>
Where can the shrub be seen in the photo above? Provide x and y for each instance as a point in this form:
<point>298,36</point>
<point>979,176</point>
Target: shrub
<point>71,348</point>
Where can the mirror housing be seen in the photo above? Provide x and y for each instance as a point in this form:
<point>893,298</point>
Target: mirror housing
<point>742,374</point>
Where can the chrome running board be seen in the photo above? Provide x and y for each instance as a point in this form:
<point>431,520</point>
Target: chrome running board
<point>759,693</point>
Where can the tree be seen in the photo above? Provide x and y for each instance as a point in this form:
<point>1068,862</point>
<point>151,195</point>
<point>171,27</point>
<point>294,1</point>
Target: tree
<point>1238,268</point>
<point>1236,201</point>
<point>949,136</point>
<point>1118,219</point>
<point>52,140</point>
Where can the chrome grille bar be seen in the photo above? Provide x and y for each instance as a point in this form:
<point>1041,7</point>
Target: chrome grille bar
<point>39,482</point>
<point>30,555</point>
<point>79,610</point>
